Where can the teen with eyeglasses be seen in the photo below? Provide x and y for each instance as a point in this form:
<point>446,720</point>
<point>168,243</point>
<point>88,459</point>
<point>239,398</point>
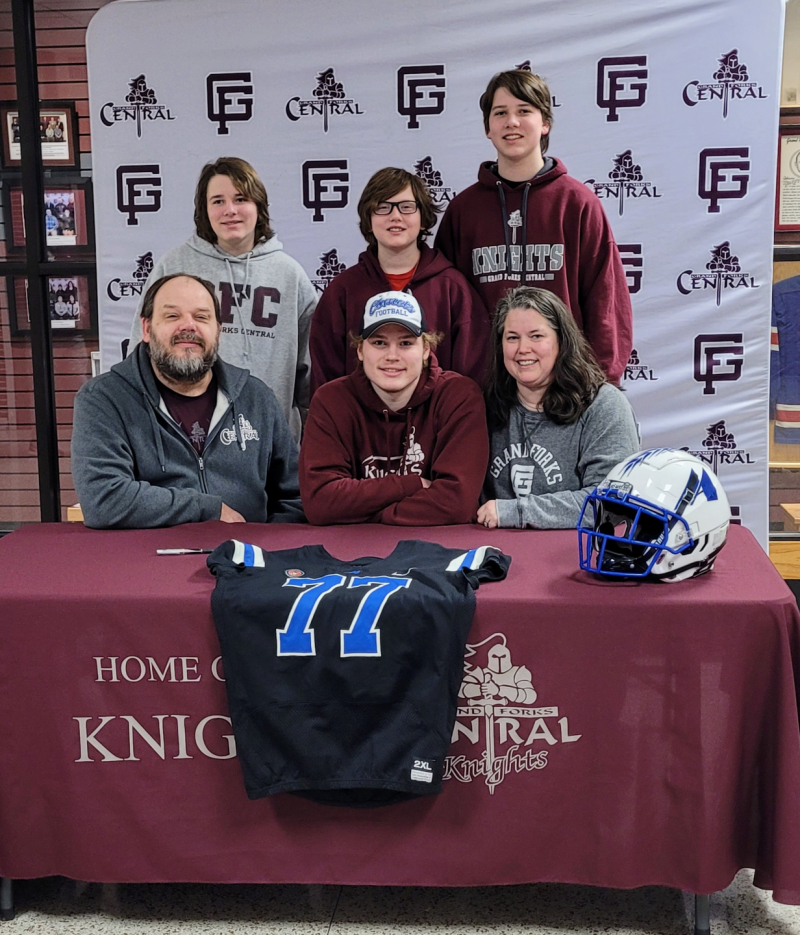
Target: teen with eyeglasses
<point>396,215</point>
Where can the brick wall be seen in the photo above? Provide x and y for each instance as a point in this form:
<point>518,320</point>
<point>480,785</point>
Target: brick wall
<point>61,49</point>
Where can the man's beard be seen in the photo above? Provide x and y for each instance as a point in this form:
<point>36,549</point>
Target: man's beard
<point>180,368</point>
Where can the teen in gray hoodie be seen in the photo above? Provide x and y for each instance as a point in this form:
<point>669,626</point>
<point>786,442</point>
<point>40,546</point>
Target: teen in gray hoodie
<point>265,296</point>
<point>556,425</point>
<point>134,464</point>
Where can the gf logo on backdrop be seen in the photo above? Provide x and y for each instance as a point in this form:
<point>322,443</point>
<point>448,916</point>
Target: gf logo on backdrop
<point>421,90</point>
<point>621,82</point>
<point>724,172</point>
<point>326,185</point>
<point>633,264</point>
<point>229,98</point>
<point>718,357</point>
<point>138,191</point>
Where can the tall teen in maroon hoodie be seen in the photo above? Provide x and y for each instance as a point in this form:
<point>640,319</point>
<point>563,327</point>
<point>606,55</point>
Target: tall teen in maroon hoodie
<point>396,214</point>
<point>399,440</point>
<point>553,228</point>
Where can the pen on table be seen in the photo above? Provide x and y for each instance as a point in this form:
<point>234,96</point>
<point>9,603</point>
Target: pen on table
<point>183,551</point>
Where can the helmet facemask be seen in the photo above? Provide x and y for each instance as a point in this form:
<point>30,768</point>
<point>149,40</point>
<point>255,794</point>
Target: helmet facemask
<point>661,513</point>
<point>623,536</point>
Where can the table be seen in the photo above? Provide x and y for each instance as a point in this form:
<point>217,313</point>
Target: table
<point>663,746</point>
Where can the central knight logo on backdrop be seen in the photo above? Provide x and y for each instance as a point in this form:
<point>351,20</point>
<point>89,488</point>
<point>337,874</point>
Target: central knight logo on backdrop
<point>719,448</point>
<point>326,186</point>
<point>229,98</point>
<point>499,697</point>
<point>141,106</point>
<point>636,370</point>
<point>138,191</point>
<point>724,173</point>
<point>621,82</point>
<point>526,66</point>
<point>627,181</point>
<point>440,193</point>
<point>328,100</point>
<point>731,83</point>
<point>718,358</point>
<point>122,288</point>
<point>328,269</point>
<point>724,272</point>
<point>421,91</point>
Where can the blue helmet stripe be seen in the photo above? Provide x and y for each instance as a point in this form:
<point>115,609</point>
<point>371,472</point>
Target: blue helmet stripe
<point>708,488</point>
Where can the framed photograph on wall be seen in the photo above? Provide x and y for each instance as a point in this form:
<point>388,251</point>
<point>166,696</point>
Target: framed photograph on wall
<point>68,216</point>
<point>71,301</point>
<point>58,132</point>
<point>787,191</point>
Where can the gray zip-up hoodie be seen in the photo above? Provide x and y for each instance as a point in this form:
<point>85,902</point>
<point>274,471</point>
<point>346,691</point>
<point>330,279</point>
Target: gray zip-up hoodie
<point>540,472</point>
<point>267,302</point>
<point>135,468</point>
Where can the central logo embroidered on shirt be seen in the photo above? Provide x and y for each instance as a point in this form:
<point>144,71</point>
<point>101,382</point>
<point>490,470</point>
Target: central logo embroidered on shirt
<point>414,452</point>
<point>198,435</point>
<point>247,432</point>
<point>410,462</point>
<point>514,221</point>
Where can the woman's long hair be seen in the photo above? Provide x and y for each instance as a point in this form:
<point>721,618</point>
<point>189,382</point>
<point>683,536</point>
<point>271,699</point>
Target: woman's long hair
<point>576,376</point>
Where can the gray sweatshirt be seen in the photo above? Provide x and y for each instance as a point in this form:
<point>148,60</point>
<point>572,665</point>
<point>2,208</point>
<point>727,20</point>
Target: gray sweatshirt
<point>539,472</point>
<point>134,466</point>
<point>267,303</point>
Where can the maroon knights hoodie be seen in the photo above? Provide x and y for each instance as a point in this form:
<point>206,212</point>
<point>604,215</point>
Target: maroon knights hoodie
<point>360,462</point>
<point>450,304</point>
<point>560,229</point>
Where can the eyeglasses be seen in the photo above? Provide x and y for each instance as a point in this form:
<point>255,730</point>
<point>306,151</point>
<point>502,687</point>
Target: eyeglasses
<point>404,207</point>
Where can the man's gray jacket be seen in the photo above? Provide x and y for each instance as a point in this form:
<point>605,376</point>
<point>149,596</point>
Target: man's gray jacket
<point>134,467</point>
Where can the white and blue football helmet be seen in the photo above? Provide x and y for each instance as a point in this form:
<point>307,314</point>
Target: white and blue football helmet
<point>660,513</point>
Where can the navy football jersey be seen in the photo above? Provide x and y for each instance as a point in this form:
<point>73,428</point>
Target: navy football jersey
<point>342,676</point>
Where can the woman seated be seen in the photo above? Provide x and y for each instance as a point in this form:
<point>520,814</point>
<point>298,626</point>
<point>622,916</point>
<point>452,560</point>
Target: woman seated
<point>556,425</point>
<point>396,214</point>
<point>398,440</point>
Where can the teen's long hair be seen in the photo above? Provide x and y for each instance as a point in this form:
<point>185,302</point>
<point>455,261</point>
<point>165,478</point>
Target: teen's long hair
<point>246,181</point>
<point>576,377</point>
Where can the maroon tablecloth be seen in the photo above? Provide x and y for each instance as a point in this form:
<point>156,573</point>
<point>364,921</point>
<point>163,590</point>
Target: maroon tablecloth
<point>663,746</point>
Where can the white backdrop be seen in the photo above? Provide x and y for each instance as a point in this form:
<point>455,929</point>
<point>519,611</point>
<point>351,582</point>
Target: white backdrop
<point>668,109</point>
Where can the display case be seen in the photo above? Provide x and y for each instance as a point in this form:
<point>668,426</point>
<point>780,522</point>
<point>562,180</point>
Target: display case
<point>784,424</point>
